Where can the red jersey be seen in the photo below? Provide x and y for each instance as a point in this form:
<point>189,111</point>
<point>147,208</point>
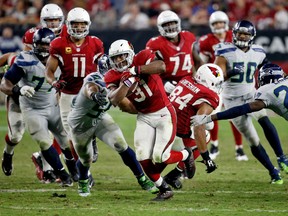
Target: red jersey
<point>149,95</point>
<point>76,62</point>
<point>177,57</point>
<point>186,99</point>
<point>207,44</point>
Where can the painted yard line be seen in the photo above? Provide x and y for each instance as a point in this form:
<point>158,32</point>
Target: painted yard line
<point>123,191</point>
<point>162,209</point>
<point>30,190</point>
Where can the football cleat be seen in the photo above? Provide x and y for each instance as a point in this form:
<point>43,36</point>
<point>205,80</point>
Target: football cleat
<point>275,177</point>
<point>48,177</point>
<point>7,165</point>
<point>240,155</point>
<point>283,163</point>
<point>214,152</point>
<point>190,164</point>
<point>36,159</point>
<point>165,192</point>
<point>147,185</point>
<point>83,188</point>
<point>173,178</point>
<point>66,180</point>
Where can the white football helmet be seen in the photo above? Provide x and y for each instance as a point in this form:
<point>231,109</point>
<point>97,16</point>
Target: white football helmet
<point>52,11</point>
<point>219,16</point>
<point>121,48</point>
<point>211,76</point>
<point>166,17</point>
<point>78,15</point>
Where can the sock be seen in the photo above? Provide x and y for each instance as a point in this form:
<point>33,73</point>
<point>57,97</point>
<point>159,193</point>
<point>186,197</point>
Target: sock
<point>9,147</point>
<point>238,146</point>
<point>67,153</point>
<point>52,158</point>
<point>45,164</point>
<point>176,156</point>
<point>129,159</point>
<point>214,131</point>
<point>271,135</point>
<point>214,142</point>
<point>261,155</point>
<point>237,135</point>
<point>150,170</point>
<point>82,170</point>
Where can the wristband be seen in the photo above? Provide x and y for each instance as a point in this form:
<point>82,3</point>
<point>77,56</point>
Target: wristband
<point>16,90</point>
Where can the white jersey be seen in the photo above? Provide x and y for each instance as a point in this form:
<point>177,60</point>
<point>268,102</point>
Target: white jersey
<point>244,83</point>
<point>34,76</point>
<point>85,112</point>
<point>275,97</point>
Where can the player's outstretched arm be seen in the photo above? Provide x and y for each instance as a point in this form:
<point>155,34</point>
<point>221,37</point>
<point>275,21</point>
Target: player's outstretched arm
<point>229,113</point>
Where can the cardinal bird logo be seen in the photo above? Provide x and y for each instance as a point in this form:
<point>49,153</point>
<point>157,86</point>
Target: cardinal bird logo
<point>214,71</point>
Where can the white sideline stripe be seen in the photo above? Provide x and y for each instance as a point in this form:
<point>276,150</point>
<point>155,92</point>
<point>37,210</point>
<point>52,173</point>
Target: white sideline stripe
<point>117,191</point>
<point>162,209</point>
<point>28,190</point>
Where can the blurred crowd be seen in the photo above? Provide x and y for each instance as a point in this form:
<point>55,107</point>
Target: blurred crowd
<point>142,14</point>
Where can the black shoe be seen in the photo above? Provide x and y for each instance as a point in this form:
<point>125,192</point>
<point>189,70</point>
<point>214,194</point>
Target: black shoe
<point>49,177</point>
<point>7,165</point>
<point>66,180</point>
<point>71,165</point>
<point>214,152</point>
<point>95,151</point>
<point>165,192</point>
<point>190,164</point>
<point>173,178</point>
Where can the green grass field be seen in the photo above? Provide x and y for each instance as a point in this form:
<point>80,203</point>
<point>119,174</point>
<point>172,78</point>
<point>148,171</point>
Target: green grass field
<point>235,188</point>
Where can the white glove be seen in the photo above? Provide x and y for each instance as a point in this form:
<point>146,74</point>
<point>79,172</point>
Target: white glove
<point>27,91</point>
<point>169,87</point>
<point>200,119</point>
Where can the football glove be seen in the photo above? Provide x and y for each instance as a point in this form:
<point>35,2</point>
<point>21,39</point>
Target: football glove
<point>200,119</point>
<point>58,85</point>
<point>169,86</point>
<point>210,165</point>
<point>100,97</point>
<point>26,91</point>
<point>103,64</point>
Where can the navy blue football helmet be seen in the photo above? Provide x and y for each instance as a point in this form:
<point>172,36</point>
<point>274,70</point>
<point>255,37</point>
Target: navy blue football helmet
<point>270,73</point>
<point>41,41</point>
<point>248,29</point>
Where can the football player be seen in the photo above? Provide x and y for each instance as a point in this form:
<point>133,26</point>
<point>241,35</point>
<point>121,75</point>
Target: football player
<point>176,48</point>
<point>37,99</point>
<point>239,61</point>
<point>156,118</point>
<point>269,95</point>
<point>88,118</point>
<point>178,51</point>
<point>219,25</point>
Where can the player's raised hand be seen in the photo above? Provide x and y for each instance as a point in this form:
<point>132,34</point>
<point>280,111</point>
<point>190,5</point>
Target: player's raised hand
<point>200,119</point>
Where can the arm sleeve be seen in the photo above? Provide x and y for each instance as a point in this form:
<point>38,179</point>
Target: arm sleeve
<point>234,112</point>
<point>14,74</point>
